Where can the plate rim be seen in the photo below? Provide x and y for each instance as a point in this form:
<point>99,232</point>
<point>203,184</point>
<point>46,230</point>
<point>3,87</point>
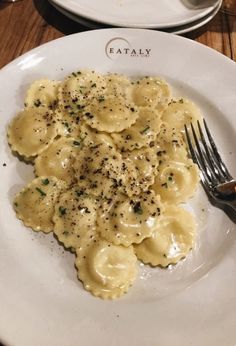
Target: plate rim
<point>123,29</point>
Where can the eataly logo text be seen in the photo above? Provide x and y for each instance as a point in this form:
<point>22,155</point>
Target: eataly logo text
<point>118,46</point>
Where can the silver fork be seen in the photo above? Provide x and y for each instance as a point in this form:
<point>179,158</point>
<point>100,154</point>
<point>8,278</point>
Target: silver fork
<point>215,177</point>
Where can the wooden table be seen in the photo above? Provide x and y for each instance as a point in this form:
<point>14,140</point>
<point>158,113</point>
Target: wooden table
<point>29,23</point>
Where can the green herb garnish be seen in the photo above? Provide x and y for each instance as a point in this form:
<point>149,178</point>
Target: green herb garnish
<point>101,98</point>
<point>42,193</point>
<point>62,211</point>
<point>137,208</point>
<point>45,181</point>
<point>145,130</point>
<point>66,233</point>
<point>76,143</point>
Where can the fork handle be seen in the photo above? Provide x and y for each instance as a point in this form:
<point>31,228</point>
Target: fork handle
<point>227,192</point>
<point>232,204</point>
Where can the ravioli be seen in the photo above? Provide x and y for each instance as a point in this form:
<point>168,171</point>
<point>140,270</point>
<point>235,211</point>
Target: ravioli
<point>78,89</point>
<point>32,131</point>
<point>176,181</point>
<point>69,123</point>
<point>151,92</point>
<point>124,221</point>
<point>58,159</point>
<point>106,270</point>
<point>97,169</point>
<point>75,216</point>
<point>110,114</point>
<point>42,92</point>
<point>181,112</point>
<point>35,203</point>
<point>91,137</point>
<point>141,133</point>
<point>112,165</point>
<point>145,162</point>
<point>120,85</point>
<point>172,239</point>
<point>170,144</point>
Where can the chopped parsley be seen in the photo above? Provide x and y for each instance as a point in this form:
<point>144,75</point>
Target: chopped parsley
<point>76,143</point>
<point>42,193</point>
<point>145,130</point>
<point>62,211</point>
<point>101,98</point>
<point>137,208</point>
<point>66,233</point>
<point>45,181</point>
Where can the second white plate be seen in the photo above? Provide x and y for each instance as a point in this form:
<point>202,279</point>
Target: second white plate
<point>140,14</point>
<point>181,29</point>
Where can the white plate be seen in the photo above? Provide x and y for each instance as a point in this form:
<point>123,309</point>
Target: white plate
<point>193,303</point>
<point>140,14</point>
<point>182,29</point>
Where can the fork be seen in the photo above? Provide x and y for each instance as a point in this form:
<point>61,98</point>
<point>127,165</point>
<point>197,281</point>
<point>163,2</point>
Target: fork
<point>215,177</point>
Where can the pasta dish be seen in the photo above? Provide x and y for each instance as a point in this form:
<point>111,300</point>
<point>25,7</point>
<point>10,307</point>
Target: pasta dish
<point>111,172</point>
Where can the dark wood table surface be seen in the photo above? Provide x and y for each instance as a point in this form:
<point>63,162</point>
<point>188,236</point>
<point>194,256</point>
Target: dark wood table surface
<point>28,23</point>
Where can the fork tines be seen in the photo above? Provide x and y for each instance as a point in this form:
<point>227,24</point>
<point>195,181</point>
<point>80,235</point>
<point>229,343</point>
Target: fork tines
<point>205,153</point>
